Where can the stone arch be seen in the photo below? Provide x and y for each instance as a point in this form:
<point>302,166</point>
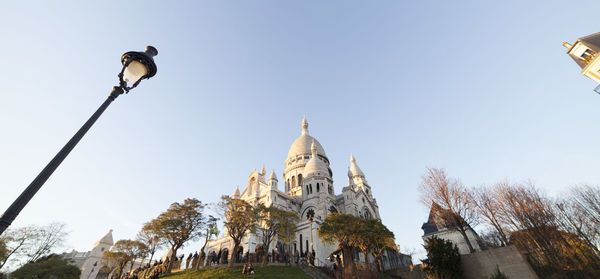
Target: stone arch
<point>299,179</point>
<point>366,213</point>
<point>293,181</point>
<point>224,255</point>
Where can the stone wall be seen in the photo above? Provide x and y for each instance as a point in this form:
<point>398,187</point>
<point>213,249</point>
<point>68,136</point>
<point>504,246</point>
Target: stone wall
<point>481,265</point>
<point>508,259</point>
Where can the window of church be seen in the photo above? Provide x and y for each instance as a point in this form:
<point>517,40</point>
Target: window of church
<point>293,181</point>
<point>300,179</point>
<point>317,187</point>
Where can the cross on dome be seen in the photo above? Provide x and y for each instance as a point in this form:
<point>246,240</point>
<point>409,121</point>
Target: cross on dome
<point>304,126</point>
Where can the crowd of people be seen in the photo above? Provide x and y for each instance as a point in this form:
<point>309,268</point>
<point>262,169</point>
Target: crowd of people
<point>196,261</point>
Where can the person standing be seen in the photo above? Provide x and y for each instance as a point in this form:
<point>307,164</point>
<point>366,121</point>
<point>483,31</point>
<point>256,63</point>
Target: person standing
<point>195,261</point>
<point>187,261</point>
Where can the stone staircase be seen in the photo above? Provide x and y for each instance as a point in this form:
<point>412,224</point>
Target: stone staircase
<point>313,272</point>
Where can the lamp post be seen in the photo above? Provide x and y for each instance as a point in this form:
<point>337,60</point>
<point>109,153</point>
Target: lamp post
<point>311,214</point>
<point>136,66</point>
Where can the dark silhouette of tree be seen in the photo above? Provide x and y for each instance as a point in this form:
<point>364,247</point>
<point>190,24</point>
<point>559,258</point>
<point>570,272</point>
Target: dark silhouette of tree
<point>443,259</point>
<point>52,266</point>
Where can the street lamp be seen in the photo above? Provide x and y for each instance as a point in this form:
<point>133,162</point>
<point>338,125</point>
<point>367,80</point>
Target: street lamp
<point>136,66</point>
<point>311,214</point>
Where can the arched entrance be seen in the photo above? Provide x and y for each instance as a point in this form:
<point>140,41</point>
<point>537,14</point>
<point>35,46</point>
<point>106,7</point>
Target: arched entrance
<point>224,255</point>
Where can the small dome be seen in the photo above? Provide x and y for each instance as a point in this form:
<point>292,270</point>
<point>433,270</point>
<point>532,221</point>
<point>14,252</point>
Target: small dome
<point>314,164</point>
<point>302,144</point>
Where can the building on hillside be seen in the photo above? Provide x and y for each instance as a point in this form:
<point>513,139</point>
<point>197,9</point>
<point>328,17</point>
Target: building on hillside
<point>309,191</point>
<point>90,262</point>
<point>435,227</point>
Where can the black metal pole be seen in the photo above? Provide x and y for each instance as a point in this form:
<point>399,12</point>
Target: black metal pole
<point>11,213</point>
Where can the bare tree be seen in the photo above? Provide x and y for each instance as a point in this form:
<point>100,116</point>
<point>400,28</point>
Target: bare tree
<point>16,242</point>
<point>454,199</point>
<point>48,237</point>
<point>487,206</point>
<point>530,216</point>
<point>28,244</point>
<point>586,202</point>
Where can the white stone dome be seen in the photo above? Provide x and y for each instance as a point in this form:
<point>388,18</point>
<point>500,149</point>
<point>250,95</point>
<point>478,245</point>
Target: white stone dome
<point>315,165</point>
<point>302,144</point>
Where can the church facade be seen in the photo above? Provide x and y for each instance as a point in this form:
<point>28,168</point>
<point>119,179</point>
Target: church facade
<point>308,191</point>
<point>90,262</point>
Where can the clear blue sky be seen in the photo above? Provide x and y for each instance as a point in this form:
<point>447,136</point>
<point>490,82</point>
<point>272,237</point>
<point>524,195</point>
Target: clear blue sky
<point>481,88</point>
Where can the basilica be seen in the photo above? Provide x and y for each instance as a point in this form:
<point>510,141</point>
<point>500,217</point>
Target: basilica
<point>309,191</point>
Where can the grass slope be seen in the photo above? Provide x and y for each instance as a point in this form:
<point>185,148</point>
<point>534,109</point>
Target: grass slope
<point>271,272</point>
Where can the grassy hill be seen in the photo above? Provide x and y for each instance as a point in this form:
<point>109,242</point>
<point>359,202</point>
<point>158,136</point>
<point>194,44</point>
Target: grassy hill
<point>271,272</point>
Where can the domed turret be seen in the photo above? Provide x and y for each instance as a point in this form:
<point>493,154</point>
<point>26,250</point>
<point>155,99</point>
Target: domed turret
<point>273,176</point>
<point>354,169</point>
<point>315,166</point>
<point>273,180</point>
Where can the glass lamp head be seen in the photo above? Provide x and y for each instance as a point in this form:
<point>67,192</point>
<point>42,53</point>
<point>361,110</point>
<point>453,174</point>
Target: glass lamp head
<point>137,66</point>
